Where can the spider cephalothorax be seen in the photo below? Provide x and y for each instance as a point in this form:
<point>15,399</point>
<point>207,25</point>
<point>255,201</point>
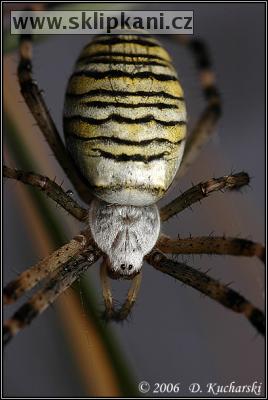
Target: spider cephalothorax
<point>125,233</point>
<point>125,129</point>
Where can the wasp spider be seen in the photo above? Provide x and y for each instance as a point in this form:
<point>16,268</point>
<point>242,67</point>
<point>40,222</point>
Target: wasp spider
<point>125,130</point>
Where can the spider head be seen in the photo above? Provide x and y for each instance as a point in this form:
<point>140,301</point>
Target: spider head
<point>126,260</point>
<point>122,271</point>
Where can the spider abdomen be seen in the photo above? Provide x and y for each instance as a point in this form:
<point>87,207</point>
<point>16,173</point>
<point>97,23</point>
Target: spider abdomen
<point>125,118</point>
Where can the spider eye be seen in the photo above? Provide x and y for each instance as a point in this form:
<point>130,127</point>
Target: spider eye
<point>130,267</point>
<point>122,266</point>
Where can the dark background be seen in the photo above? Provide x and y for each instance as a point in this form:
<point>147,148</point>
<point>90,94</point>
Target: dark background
<point>174,335</point>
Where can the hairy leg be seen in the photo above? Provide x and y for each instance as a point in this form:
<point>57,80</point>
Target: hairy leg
<point>209,286</point>
<point>35,101</point>
<point>106,291</point>
<point>207,122</point>
<point>124,311</point>
<point>51,188</point>
<point>57,283</point>
<point>212,245</point>
<point>202,190</point>
<point>29,278</point>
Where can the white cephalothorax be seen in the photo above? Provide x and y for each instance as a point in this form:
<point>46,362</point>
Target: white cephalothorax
<point>125,233</point>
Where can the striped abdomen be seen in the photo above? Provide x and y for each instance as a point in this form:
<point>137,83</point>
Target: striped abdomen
<point>125,118</point>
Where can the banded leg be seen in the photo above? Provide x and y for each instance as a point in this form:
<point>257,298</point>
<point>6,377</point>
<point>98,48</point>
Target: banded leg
<point>29,278</point>
<point>35,101</point>
<point>58,282</point>
<point>209,286</point>
<point>207,122</point>
<point>51,188</point>
<point>202,190</point>
<point>124,311</point>
<point>212,245</point>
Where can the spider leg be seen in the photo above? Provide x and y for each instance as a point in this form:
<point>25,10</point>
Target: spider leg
<point>212,245</point>
<point>207,122</point>
<point>106,291</point>
<point>35,101</point>
<point>209,286</point>
<point>202,190</point>
<point>57,283</point>
<point>124,311</point>
<point>29,278</point>
<point>51,188</point>
<point>128,304</point>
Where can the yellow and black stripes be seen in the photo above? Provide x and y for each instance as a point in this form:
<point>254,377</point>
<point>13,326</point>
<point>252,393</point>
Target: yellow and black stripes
<point>117,104</point>
<point>117,57</point>
<point>115,140</point>
<point>126,95</point>
<point>129,39</point>
<point>128,45</point>
<point>125,118</point>
<point>117,73</point>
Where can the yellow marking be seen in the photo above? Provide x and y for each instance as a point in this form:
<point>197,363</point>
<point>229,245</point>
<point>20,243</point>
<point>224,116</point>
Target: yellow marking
<point>133,61</point>
<point>133,132</point>
<point>129,150</point>
<point>127,70</point>
<point>126,100</point>
<point>82,84</point>
<point>128,48</point>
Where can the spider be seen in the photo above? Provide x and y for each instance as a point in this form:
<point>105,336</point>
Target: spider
<point>125,128</point>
